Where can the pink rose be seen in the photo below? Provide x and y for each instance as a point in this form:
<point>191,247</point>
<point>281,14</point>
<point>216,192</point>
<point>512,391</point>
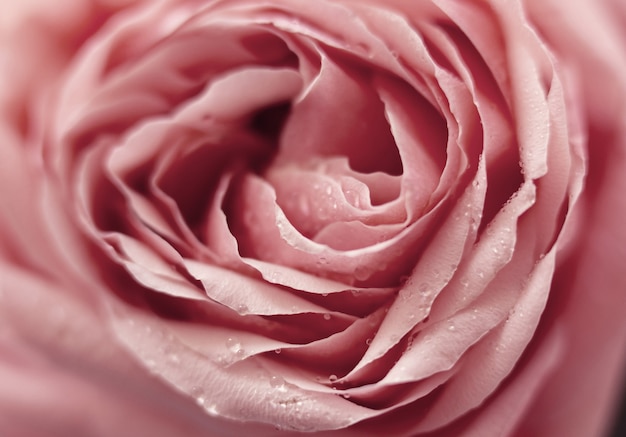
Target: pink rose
<point>351,217</point>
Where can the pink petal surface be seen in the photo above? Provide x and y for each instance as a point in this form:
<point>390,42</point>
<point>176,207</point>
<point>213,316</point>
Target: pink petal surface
<point>348,218</point>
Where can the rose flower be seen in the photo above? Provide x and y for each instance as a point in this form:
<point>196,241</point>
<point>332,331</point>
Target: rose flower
<point>344,217</point>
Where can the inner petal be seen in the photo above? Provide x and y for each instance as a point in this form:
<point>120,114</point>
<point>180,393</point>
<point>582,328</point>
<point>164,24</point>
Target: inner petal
<point>313,199</point>
<point>340,114</point>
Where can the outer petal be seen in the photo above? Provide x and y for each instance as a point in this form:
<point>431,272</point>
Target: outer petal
<point>590,292</point>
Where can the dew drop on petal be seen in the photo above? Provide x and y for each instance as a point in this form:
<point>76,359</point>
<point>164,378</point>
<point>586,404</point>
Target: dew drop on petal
<point>277,382</point>
<point>211,409</point>
<point>234,346</point>
<point>352,197</point>
<point>405,294</point>
<point>198,393</point>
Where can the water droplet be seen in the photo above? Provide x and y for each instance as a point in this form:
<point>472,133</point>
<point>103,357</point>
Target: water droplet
<point>329,190</point>
<point>368,341</point>
<point>242,308</point>
<point>424,288</point>
<point>198,393</point>
<point>327,316</point>
<point>473,224</point>
<point>277,350</point>
<point>211,409</point>
<point>234,346</point>
<point>346,395</point>
<point>277,382</point>
<point>353,198</point>
<point>451,327</point>
<point>332,378</point>
<point>276,277</point>
<point>405,294</point>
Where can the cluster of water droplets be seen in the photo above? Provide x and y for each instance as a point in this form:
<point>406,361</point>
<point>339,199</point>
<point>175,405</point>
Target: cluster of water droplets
<point>234,352</point>
<point>165,355</point>
<point>292,407</point>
